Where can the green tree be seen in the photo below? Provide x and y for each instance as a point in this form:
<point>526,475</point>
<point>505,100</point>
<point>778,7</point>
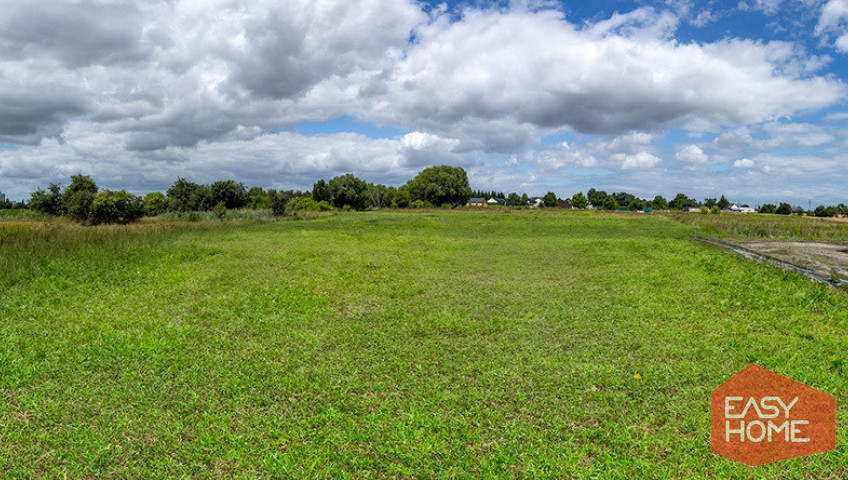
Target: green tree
<point>637,204</point>
<point>709,202</point>
<point>624,199</point>
<point>822,211</point>
<point>579,200</point>
<point>609,203</point>
<point>723,203</point>
<point>513,200</point>
<point>78,204</point>
<point>550,199</point>
<point>233,195</point>
<point>659,203</point>
<point>220,210</point>
<point>49,201</point>
<point>440,185</point>
<point>682,202</point>
<point>348,190</point>
<point>184,196</point>
<point>378,196</point>
<point>596,197</point>
<point>257,198</point>
<point>768,208</point>
<point>321,191</point>
<point>402,198</point>
<point>78,197</point>
<point>783,209</point>
<point>116,206</point>
<point>277,201</point>
<point>155,203</point>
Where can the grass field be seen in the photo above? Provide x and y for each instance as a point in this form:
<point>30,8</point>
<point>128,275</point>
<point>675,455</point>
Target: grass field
<point>447,344</point>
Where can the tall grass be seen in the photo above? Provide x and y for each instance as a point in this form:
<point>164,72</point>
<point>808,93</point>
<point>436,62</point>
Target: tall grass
<point>777,227</point>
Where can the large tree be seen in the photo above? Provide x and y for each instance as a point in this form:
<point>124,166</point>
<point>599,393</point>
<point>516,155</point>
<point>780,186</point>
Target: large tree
<point>783,209</point>
<point>579,200</point>
<point>550,199</point>
<point>78,196</point>
<point>187,196</point>
<point>348,190</point>
<point>440,185</point>
<point>682,202</point>
<point>233,195</point>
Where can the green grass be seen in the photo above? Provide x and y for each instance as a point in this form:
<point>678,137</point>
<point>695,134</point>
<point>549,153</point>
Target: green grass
<point>439,344</point>
<point>759,227</point>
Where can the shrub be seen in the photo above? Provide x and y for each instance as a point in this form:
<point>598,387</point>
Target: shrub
<point>715,209</point>
<point>768,208</point>
<point>278,201</point>
<point>78,205</point>
<point>155,203</point>
<point>402,198</point>
<point>220,210</point>
<point>116,207</point>
<point>49,201</point>
<point>705,210</point>
<point>303,204</point>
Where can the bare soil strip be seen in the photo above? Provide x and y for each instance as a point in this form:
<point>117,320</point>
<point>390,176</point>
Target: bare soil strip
<point>825,262</point>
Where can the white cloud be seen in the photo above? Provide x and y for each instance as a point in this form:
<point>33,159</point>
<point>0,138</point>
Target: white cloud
<point>617,75</point>
<point>692,155</point>
<point>743,163</point>
<point>639,160</point>
<point>137,93</point>
<point>832,22</point>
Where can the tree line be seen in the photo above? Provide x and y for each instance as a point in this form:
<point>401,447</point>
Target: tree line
<point>82,200</point>
<point>439,186</point>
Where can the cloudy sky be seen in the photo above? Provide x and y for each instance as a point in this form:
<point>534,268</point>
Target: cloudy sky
<point>740,97</point>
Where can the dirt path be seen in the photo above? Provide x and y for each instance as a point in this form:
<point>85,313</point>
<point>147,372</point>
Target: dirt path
<point>824,258</point>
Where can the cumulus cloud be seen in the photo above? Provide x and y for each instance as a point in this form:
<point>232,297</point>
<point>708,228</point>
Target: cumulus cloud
<point>140,92</point>
<point>743,163</point>
<point>833,21</point>
<point>639,160</point>
<point>692,155</point>
<point>617,75</point>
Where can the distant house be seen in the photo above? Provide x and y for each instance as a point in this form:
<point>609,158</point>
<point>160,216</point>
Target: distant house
<point>694,209</point>
<point>476,202</point>
<point>496,201</point>
<point>536,202</point>
<point>737,209</point>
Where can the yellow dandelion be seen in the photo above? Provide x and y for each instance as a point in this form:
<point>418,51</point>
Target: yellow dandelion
<point>636,376</point>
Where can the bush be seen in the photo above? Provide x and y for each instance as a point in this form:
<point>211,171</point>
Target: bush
<point>402,198</point>
<point>116,207</point>
<point>49,202</point>
<point>768,208</point>
<point>705,210</point>
<point>278,201</point>
<point>715,209</point>
<point>155,203</point>
<point>220,210</point>
<point>822,211</point>
<point>303,204</point>
<point>783,209</point>
<point>78,205</point>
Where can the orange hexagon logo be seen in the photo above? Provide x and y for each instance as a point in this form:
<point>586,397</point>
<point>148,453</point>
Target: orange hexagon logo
<point>761,417</point>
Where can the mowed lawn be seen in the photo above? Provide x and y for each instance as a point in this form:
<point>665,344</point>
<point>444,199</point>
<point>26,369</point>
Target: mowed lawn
<point>442,344</point>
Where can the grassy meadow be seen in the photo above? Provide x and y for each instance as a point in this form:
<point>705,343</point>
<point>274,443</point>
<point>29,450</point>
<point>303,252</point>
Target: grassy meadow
<point>428,344</point>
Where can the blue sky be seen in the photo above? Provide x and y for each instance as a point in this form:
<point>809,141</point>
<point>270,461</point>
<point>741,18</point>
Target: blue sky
<point>742,98</point>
